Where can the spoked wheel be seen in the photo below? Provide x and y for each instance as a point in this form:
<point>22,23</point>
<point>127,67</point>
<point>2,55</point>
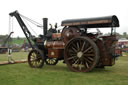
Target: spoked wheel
<point>36,59</point>
<point>51,61</point>
<point>81,54</point>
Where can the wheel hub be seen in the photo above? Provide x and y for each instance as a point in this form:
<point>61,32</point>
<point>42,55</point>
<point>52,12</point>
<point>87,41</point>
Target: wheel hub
<point>79,54</point>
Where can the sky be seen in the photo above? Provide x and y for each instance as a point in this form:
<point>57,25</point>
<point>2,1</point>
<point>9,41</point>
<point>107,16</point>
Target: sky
<point>58,10</point>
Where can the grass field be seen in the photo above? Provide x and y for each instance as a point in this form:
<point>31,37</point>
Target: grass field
<point>19,41</point>
<point>15,56</point>
<point>22,74</point>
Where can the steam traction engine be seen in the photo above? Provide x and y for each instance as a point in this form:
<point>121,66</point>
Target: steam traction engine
<point>81,50</point>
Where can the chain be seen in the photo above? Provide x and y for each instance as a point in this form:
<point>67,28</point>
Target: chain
<point>10,30</point>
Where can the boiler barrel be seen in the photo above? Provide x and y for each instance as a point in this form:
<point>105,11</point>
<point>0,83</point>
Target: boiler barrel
<point>54,44</point>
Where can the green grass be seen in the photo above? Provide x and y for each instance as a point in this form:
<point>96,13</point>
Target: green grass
<point>14,55</point>
<point>18,41</point>
<point>22,74</point>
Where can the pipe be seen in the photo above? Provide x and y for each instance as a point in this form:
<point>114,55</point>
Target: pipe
<point>45,25</point>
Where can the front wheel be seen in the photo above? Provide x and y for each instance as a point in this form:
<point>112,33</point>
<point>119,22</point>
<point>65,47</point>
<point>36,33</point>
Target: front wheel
<point>36,59</point>
<point>51,61</point>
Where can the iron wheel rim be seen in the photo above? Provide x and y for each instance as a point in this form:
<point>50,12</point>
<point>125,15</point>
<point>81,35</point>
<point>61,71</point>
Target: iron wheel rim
<point>35,59</point>
<point>81,54</point>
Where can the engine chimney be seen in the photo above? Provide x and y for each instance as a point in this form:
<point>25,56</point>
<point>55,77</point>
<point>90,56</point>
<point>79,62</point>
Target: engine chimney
<point>45,24</point>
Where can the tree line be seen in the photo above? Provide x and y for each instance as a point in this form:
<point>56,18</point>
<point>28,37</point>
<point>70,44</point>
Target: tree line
<point>124,35</point>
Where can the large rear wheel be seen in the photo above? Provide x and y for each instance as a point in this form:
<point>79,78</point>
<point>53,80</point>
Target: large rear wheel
<point>81,54</point>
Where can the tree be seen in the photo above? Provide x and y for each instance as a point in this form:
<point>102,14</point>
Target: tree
<point>124,34</point>
<point>18,38</point>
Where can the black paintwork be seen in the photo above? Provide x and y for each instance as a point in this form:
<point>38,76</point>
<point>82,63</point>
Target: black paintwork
<point>45,25</point>
<point>114,22</point>
<point>23,26</point>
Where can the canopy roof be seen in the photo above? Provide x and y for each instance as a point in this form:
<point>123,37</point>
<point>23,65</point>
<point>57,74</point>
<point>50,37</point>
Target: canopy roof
<point>99,22</point>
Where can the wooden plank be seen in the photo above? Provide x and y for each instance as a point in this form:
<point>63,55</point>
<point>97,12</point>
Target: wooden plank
<point>17,61</point>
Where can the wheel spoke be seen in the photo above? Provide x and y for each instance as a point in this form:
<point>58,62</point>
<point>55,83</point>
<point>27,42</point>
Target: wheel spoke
<point>71,57</point>
<point>87,50</point>
<point>83,46</point>
<point>87,65</point>
<point>71,51</point>
<point>35,59</point>
<point>76,62</point>
<point>80,66</point>
<point>73,45</point>
<point>78,47</point>
<point>73,60</point>
<point>74,49</point>
<point>86,59</point>
<point>90,58</point>
<point>90,51</point>
<point>86,45</point>
<point>89,54</point>
<point>72,54</point>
